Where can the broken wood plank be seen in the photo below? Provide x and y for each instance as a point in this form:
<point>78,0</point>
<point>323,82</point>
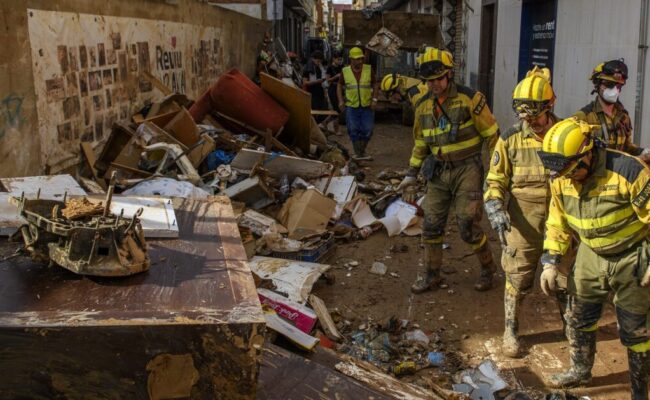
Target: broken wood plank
<point>89,157</point>
<point>298,103</point>
<point>164,89</point>
<point>382,382</point>
<point>260,133</point>
<point>324,112</point>
<point>131,170</point>
<point>325,318</point>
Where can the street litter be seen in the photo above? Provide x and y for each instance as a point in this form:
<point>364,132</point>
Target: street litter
<point>480,382</point>
<point>292,278</point>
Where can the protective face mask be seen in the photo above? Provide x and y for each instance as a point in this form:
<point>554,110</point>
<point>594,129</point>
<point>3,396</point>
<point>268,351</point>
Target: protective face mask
<point>610,95</point>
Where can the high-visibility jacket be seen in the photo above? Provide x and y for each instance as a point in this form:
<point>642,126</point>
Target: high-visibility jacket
<point>360,90</point>
<point>468,110</point>
<point>515,166</point>
<point>412,89</point>
<point>609,210</point>
<point>616,130</point>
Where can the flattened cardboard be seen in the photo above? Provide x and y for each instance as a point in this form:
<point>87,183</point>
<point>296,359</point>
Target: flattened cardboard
<point>306,212</point>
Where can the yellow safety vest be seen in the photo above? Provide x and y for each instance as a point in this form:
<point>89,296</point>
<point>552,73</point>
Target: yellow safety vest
<point>355,90</point>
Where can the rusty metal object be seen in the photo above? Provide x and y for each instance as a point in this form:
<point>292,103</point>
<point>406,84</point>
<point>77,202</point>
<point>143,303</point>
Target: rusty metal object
<point>99,244</point>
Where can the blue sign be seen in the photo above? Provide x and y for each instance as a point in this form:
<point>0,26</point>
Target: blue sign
<point>537,36</point>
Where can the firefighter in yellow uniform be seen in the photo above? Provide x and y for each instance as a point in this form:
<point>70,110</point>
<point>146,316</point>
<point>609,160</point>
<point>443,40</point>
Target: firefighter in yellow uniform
<point>601,195</point>
<point>608,112</point>
<point>516,168</point>
<point>409,88</point>
<point>450,127</point>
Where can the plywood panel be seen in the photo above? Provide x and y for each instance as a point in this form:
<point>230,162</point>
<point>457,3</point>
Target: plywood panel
<point>298,103</point>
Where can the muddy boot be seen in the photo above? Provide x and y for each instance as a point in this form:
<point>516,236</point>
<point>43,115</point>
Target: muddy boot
<point>431,277</point>
<point>512,302</point>
<point>363,144</point>
<point>638,363</point>
<point>356,146</point>
<point>582,352</point>
<point>488,268</point>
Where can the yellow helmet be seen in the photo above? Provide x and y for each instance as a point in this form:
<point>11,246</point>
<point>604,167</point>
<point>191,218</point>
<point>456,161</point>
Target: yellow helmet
<point>565,144</point>
<point>612,71</point>
<point>534,94</point>
<point>435,63</point>
<point>356,52</point>
<point>389,82</point>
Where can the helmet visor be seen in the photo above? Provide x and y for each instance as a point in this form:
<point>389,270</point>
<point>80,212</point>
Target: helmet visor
<point>432,70</point>
<point>529,109</point>
<point>558,164</point>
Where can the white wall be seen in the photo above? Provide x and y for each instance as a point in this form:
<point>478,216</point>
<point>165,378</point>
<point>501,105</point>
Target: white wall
<point>588,33</point>
<point>506,60</point>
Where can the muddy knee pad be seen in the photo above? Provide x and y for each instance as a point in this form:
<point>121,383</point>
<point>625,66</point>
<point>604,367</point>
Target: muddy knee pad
<point>582,315</point>
<point>632,327</point>
<point>468,231</point>
<point>522,282</point>
<point>432,232</point>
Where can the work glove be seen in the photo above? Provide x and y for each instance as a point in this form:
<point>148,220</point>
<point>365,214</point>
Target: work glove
<point>406,182</point>
<point>498,218</point>
<point>547,279</point>
<point>410,194</point>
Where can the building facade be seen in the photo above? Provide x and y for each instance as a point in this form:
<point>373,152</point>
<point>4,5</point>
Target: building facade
<point>508,37</point>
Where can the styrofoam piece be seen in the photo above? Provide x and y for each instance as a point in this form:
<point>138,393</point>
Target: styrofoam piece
<point>293,278</point>
<point>9,218</point>
<point>52,187</point>
<point>342,188</point>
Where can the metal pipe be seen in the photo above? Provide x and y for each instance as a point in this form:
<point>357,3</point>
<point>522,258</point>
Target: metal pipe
<point>640,75</point>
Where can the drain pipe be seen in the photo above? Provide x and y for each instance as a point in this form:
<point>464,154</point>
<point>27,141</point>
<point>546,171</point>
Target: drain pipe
<point>640,75</point>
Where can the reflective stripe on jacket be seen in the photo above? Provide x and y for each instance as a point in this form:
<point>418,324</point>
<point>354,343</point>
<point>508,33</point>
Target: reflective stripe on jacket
<point>515,166</point>
<point>358,90</point>
<point>616,131</point>
<point>468,111</point>
<point>609,210</point>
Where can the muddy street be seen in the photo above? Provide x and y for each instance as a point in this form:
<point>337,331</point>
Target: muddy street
<point>466,320</point>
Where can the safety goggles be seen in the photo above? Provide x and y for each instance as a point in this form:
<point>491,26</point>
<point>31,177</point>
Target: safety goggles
<point>560,165</point>
<point>529,109</point>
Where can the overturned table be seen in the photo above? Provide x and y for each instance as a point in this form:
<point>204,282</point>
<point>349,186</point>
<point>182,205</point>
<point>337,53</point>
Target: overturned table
<point>191,326</point>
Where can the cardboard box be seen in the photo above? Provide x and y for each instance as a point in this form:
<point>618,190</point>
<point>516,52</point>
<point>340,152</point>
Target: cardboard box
<point>302,317</point>
<point>305,213</point>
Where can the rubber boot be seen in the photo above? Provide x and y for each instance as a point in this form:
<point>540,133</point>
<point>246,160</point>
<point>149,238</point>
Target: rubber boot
<point>356,146</point>
<point>431,277</point>
<point>488,268</point>
<point>638,362</point>
<point>582,352</point>
<point>512,303</point>
<point>363,144</point>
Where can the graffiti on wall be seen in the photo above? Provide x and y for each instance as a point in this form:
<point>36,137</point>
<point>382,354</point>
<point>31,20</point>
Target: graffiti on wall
<point>90,71</point>
<point>11,113</point>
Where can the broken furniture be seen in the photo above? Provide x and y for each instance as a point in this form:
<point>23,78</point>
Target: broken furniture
<point>190,327</point>
<point>84,237</point>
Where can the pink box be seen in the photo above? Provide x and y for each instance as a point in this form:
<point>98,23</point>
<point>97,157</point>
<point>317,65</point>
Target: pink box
<point>302,317</point>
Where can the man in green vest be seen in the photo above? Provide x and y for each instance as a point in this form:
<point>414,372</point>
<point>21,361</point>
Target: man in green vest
<point>357,95</point>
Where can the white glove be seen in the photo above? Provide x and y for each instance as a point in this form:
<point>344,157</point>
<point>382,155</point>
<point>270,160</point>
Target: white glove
<point>547,279</point>
<point>406,182</point>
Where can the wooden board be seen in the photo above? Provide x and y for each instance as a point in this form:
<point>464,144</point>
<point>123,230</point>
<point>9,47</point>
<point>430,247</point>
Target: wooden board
<point>324,318</point>
<point>196,308</point>
<point>298,102</point>
<point>413,29</point>
<point>286,375</point>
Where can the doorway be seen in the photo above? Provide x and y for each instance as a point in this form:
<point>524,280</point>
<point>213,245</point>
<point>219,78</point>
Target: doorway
<point>487,49</point>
